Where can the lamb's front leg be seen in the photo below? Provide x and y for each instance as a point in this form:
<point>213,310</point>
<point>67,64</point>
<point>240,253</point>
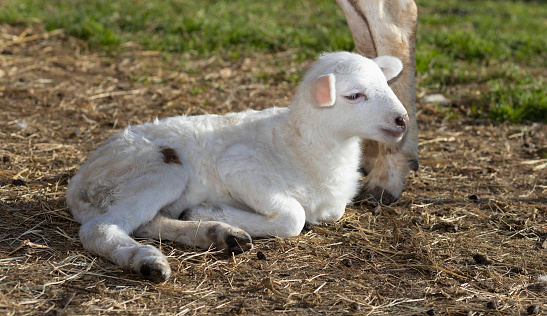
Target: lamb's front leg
<point>202,234</point>
<point>278,222</point>
<point>252,181</point>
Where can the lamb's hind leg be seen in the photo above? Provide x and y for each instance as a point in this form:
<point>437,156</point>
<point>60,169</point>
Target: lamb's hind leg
<point>138,198</point>
<point>202,234</point>
<point>108,235</point>
<point>108,239</point>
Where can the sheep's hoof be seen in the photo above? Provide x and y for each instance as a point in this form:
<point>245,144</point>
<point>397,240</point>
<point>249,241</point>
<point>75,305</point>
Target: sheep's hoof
<point>155,272</point>
<point>376,195</point>
<point>413,164</point>
<point>363,171</point>
<point>239,243</point>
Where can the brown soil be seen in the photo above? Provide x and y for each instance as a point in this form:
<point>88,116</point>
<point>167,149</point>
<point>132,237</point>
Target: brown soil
<point>466,238</point>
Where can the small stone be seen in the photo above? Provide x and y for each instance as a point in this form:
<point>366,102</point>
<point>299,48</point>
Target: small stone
<point>481,259</point>
<point>51,313</point>
<point>540,284</point>
<point>532,309</point>
<point>448,227</point>
<point>417,221</point>
<point>356,306</point>
<point>436,99</point>
<point>493,305</point>
<point>18,182</point>
<point>430,312</point>
<point>516,270</point>
<point>347,262</point>
<point>67,299</point>
<point>261,255</point>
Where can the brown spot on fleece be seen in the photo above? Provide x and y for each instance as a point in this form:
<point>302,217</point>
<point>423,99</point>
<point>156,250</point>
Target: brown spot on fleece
<point>170,156</point>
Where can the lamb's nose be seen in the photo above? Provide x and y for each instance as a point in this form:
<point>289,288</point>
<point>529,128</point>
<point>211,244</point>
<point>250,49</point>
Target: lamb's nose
<point>401,122</point>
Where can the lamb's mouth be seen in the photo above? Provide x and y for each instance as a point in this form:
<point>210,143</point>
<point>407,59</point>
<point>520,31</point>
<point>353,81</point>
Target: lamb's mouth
<point>393,132</point>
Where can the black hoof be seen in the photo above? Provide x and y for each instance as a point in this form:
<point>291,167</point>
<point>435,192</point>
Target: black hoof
<point>238,244</point>
<point>308,226</point>
<point>185,215</point>
<point>363,171</point>
<point>154,272</point>
<point>376,195</point>
<point>414,165</point>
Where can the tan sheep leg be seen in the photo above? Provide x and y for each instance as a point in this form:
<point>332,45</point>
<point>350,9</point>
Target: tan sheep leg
<point>388,27</point>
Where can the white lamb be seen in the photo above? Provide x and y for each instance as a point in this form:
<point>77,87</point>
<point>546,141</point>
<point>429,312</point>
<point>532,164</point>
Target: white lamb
<point>217,180</point>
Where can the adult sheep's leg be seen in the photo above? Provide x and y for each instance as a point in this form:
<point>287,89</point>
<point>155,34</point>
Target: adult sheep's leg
<point>384,183</point>
<point>379,28</point>
<point>202,234</point>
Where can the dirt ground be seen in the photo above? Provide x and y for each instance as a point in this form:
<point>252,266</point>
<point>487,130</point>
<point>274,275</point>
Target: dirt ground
<point>468,236</point>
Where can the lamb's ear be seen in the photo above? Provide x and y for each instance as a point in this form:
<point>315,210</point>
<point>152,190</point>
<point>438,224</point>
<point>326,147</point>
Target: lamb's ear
<point>323,91</point>
<point>390,66</point>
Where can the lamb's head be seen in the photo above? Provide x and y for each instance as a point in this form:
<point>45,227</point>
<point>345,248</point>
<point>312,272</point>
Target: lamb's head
<point>351,98</point>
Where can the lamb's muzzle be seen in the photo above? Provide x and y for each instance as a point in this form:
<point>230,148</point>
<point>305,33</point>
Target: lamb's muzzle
<point>399,129</point>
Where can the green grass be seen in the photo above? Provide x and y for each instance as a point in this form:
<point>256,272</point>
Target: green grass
<point>498,46</point>
<point>203,27</point>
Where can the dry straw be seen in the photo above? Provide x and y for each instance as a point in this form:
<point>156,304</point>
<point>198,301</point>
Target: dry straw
<point>468,235</point>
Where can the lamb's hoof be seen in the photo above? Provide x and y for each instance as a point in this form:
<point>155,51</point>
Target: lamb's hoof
<point>239,243</point>
<point>308,226</point>
<point>155,272</point>
<point>376,195</point>
<point>185,215</point>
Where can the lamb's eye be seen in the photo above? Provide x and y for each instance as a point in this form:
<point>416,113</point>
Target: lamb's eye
<point>355,96</point>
